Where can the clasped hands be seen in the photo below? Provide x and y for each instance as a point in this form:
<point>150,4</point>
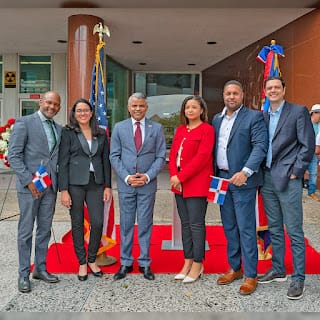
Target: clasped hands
<point>176,183</point>
<point>137,180</point>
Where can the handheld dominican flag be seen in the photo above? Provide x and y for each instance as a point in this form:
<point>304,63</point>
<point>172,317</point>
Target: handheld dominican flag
<point>217,190</point>
<point>98,101</point>
<point>41,179</point>
<point>269,56</point>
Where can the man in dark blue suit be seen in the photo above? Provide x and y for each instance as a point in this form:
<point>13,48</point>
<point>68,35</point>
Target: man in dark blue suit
<point>291,148</point>
<point>241,146</point>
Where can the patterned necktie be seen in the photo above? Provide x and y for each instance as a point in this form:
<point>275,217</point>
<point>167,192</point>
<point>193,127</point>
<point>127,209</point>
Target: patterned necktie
<point>53,135</point>
<point>138,136</point>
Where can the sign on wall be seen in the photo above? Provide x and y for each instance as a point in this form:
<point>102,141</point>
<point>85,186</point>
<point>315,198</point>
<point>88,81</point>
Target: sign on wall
<point>10,79</point>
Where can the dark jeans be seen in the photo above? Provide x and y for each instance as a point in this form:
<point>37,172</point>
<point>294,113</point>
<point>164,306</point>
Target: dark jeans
<point>92,195</point>
<point>192,212</point>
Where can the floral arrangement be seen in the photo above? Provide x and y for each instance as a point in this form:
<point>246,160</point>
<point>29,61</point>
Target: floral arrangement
<point>5,132</point>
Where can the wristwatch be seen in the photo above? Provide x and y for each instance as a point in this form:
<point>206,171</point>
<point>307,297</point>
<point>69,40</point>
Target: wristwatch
<point>247,174</point>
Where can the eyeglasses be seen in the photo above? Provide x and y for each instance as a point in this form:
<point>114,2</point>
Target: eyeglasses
<point>83,111</point>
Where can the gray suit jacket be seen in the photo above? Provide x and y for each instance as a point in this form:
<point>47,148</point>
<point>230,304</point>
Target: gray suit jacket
<point>293,144</point>
<point>126,161</point>
<point>247,145</point>
<point>28,147</point>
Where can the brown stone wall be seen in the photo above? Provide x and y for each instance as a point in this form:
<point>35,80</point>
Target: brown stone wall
<point>300,68</point>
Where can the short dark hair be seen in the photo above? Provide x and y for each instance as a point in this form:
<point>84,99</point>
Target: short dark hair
<point>235,82</point>
<point>73,123</point>
<point>274,78</point>
<point>203,105</point>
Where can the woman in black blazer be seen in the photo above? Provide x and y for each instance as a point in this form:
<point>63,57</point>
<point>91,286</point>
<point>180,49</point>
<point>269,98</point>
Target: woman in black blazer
<point>84,176</point>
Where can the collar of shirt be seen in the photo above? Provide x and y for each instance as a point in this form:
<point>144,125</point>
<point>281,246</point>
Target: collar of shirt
<point>142,122</point>
<point>42,117</point>
<point>235,113</point>
<point>278,110</point>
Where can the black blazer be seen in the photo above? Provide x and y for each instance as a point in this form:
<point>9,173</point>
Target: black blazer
<point>75,156</point>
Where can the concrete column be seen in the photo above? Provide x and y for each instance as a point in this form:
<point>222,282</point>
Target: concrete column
<point>81,55</point>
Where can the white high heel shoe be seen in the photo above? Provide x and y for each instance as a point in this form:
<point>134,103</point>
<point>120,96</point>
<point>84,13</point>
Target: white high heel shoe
<point>188,279</point>
<point>180,276</point>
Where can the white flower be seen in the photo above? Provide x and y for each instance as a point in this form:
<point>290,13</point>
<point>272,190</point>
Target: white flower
<point>3,146</point>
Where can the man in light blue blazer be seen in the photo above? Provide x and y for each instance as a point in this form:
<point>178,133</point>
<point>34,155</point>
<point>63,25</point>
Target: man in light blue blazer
<point>35,138</point>
<point>137,154</point>
<point>241,147</point>
<point>291,148</point>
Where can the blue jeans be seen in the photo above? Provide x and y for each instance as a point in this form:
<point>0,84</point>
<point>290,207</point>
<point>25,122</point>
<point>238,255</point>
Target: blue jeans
<point>313,174</point>
<point>285,208</point>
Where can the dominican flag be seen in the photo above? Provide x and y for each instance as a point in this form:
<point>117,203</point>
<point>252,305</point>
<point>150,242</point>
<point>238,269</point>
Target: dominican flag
<point>218,189</point>
<point>269,56</point>
<point>98,101</point>
<point>41,179</point>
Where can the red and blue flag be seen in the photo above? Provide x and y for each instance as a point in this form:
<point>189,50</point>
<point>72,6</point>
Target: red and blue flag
<point>41,179</point>
<point>217,190</point>
<point>269,56</point>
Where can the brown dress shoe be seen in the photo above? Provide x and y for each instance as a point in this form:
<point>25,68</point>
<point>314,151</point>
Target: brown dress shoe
<point>313,196</point>
<point>248,286</point>
<point>230,276</point>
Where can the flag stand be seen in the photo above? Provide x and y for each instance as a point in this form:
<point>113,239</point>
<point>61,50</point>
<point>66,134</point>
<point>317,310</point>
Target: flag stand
<point>176,242</point>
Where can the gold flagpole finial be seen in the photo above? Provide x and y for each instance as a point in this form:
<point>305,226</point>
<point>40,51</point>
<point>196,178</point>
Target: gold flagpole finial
<point>101,29</point>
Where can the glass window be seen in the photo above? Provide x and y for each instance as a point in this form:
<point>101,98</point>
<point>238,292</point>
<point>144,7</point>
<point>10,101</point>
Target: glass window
<point>1,74</point>
<point>165,94</point>
<point>117,92</point>
<point>35,74</point>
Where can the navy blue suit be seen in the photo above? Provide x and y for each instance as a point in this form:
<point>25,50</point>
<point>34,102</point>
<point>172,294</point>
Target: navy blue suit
<point>247,147</point>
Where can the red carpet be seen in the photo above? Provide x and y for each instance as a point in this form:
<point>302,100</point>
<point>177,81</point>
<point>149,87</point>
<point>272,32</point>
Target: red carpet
<point>170,261</point>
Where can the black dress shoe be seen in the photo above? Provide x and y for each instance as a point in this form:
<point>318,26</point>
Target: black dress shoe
<point>45,276</point>
<point>24,284</point>
<point>122,272</point>
<point>82,278</point>
<point>147,273</point>
<point>98,274</point>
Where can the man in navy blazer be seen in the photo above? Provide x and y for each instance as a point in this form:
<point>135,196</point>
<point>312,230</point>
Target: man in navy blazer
<point>241,147</point>
<point>31,143</point>
<point>137,172</point>
<point>291,148</point>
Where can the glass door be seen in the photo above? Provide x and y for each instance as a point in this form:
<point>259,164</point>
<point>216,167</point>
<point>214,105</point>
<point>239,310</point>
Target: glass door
<point>28,106</point>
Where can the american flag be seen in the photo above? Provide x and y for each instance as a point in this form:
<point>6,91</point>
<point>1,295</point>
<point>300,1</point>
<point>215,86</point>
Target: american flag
<point>98,101</point>
<point>217,190</point>
<point>97,93</point>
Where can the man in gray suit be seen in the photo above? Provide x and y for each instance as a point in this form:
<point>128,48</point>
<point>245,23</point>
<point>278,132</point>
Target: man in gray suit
<point>137,154</point>
<point>35,139</point>
<point>291,148</point>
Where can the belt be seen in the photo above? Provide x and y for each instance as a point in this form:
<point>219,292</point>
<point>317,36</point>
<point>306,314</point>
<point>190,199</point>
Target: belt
<point>267,169</point>
<point>222,170</point>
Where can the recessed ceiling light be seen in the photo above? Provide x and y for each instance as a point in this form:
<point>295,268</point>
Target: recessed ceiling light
<point>142,63</point>
<point>211,42</point>
<point>62,41</point>
<point>137,42</point>
<point>191,64</point>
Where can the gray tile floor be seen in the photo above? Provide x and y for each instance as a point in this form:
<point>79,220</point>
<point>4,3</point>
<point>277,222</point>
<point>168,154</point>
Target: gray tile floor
<point>134,293</point>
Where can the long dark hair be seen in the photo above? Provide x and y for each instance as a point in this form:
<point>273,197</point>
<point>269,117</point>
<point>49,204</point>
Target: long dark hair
<point>73,123</point>
<point>203,105</point>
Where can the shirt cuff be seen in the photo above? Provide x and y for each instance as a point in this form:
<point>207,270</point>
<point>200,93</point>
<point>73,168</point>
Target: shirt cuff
<point>248,171</point>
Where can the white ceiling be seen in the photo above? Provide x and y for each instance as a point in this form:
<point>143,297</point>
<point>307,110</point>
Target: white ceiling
<point>174,33</point>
